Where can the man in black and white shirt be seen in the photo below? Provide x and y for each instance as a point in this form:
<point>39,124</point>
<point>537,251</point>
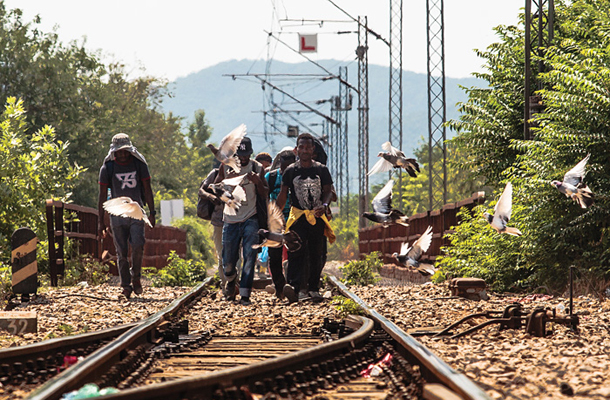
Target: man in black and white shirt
<point>310,187</point>
<point>125,172</point>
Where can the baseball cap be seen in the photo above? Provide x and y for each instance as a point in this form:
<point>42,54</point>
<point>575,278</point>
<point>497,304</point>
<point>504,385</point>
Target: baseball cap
<point>245,147</point>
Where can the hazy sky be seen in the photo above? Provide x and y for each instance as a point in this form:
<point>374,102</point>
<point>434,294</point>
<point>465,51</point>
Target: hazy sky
<point>170,39</point>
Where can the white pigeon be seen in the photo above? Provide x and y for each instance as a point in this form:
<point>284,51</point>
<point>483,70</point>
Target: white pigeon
<point>409,256</point>
<point>127,208</point>
<point>225,153</point>
<point>394,158</point>
<point>573,185</point>
<point>502,212</point>
<point>231,193</point>
<point>382,208</point>
<point>276,236</point>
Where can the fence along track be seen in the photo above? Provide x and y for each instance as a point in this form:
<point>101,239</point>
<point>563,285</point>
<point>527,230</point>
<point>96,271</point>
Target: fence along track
<point>87,370</point>
<point>433,368</point>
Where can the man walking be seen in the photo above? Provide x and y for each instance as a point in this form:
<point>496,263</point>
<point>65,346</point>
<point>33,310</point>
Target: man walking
<point>309,184</point>
<point>242,228</point>
<point>125,172</point>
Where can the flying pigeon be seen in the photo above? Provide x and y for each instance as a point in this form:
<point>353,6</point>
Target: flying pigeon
<point>125,207</point>
<point>231,193</point>
<point>409,256</point>
<point>276,236</point>
<point>573,185</point>
<point>502,211</point>
<point>382,208</point>
<point>394,158</point>
<point>228,146</point>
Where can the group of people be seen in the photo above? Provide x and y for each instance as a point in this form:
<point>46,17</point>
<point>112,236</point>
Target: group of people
<point>296,180</point>
<point>302,189</point>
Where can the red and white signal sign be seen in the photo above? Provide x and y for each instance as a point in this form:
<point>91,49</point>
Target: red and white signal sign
<point>308,43</point>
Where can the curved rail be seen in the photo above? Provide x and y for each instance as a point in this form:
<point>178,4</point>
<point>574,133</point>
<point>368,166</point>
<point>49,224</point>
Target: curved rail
<point>433,368</point>
<point>85,370</point>
<point>194,387</point>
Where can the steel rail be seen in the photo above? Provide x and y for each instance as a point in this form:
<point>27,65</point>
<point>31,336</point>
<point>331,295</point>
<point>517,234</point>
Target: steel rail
<point>86,370</point>
<point>434,369</point>
<point>60,345</point>
<point>202,385</point>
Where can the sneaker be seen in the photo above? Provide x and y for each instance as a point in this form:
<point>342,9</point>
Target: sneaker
<point>270,289</point>
<point>290,294</point>
<point>245,301</point>
<point>303,295</point>
<point>230,291</point>
<point>127,292</point>
<point>315,296</point>
<point>137,287</point>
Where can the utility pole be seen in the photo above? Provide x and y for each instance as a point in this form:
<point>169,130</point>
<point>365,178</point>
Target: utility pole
<point>363,119</point>
<point>395,90</point>
<point>542,20</point>
<point>437,188</point>
<point>346,105</point>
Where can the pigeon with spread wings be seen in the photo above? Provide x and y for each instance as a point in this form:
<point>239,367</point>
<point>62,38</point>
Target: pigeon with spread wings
<point>225,153</point>
<point>573,185</point>
<point>502,212</point>
<point>231,193</point>
<point>394,158</point>
<point>127,208</point>
<point>382,208</point>
<point>409,256</point>
<point>275,236</point>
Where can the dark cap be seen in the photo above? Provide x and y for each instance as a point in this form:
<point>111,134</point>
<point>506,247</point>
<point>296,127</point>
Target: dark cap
<point>245,147</point>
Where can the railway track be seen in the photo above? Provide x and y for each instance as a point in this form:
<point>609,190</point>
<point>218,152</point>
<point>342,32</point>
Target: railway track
<point>360,357</point>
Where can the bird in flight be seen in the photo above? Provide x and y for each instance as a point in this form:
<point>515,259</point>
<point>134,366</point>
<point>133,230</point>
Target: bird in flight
<point>409,255</point>
<point>502,212</point>
<point>383,212</point>
<point>275,236</point>
<point>394,158</point>
<point>230,192</point>
<point>125,207</point>
<point>228,146</point>
<point>573,185</point>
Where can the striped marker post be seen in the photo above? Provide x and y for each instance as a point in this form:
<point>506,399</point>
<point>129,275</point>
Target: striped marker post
<point>23,261</point>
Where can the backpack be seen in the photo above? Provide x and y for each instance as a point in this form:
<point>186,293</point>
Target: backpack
<point>205,208</point>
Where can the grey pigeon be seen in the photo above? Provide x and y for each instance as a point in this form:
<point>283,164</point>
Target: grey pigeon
<point>383,212</point>
<point>409,256</point>
<point>573,185</point>
<point>231,193</point>
<point>228,146</point>
<point>502,212</point>
<point>394,158</point>
<point>125,207</point>
<point>276,236</point>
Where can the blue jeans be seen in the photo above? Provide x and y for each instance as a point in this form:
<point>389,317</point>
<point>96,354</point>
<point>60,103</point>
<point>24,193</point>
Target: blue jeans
<point>126,231</point>
<point>232,234</point>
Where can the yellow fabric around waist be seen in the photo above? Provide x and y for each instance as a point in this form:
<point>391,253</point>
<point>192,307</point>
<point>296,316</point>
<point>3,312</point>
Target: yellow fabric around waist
<point>296,213</point>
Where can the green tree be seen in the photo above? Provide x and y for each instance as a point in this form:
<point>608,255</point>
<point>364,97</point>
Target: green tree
<point>574,122</point>
<point>32,168</point>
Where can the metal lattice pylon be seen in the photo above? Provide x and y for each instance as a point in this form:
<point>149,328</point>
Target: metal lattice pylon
<point>363,119</point>
<point>437,151</point>
<point>541,22</point>
<point>338,152</point>
<point>395,90</point>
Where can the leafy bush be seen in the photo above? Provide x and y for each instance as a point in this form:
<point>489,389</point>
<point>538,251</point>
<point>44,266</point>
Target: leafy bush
<point>199,242</point>
<point>178,272</point>
<point>362,272</point>
<point>6,284</point>
<point>346,231</point>
<point>83,268</point>
<point>33,167</point>
<point>345,307</point>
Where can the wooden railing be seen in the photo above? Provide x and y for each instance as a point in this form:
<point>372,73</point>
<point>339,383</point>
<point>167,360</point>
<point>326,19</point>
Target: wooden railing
<point>388,240</point>
<point>80,224</point>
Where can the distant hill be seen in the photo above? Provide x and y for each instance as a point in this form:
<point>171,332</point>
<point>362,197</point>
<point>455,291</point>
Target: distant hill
<point>228,102</point>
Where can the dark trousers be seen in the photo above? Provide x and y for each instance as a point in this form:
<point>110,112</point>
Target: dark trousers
<point>304,265</point>
<point>275,266</point>
<point>125,232</point>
